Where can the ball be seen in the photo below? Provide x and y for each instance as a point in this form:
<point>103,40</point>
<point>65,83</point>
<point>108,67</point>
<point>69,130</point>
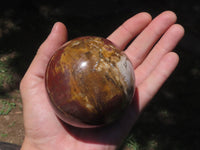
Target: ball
<point>90,82</point>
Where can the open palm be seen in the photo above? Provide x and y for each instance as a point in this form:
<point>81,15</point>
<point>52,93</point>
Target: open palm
<point>152,59</point>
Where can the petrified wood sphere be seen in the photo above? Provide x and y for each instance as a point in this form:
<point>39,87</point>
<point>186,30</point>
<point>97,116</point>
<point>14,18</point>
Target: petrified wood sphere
<point>89,82</point>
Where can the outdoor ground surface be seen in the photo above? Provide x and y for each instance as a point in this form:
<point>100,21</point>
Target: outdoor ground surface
<point>171,121</point>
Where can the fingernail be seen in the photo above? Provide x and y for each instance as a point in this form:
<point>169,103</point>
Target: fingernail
<point>54,28</point>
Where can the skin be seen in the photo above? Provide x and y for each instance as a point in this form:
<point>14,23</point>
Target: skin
<point>153,60</point>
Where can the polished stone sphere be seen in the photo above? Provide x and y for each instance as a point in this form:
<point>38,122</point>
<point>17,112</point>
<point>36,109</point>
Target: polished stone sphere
<point>90,82</point>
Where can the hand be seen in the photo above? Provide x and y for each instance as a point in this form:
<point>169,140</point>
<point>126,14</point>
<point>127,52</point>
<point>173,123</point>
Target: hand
<point>152,59</point>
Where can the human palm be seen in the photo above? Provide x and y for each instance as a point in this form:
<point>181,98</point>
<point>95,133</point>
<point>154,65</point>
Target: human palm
<point>152,59</point>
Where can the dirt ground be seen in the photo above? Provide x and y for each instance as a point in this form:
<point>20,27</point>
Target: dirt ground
<point>11,116</point>
<point>171,121</point>
<point>11,126</point>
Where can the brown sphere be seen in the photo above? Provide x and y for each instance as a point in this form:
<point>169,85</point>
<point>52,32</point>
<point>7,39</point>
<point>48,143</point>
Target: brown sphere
<point>89,82</point>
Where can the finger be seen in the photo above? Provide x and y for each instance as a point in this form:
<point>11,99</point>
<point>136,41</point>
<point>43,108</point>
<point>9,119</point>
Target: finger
<point>32,86</point>
<point>152,84</point>
<point>166,44</point>
<point>56,38</point>
<point>141,46</point>
<point>129,29</point>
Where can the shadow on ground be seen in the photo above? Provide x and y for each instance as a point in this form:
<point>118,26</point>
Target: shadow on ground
<point>171,121</point>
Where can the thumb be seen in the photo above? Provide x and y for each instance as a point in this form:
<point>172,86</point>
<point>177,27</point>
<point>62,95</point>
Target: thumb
<point>36,109</point>
<point>56,38</point>
<point>35,73</point>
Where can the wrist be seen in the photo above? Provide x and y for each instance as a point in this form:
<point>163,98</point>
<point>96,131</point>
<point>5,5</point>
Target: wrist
<point>27,145</point>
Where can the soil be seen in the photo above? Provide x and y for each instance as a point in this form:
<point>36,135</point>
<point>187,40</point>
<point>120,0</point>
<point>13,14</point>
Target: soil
<point>11,126</point>
<point>171,121</point>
